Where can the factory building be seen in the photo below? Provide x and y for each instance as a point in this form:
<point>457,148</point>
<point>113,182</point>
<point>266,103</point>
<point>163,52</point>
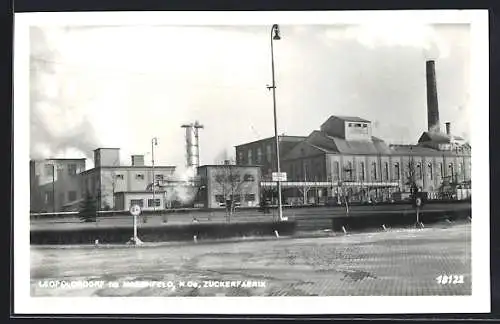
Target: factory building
<point>344,158</point>
<point>263,152</point>
<point>229,182</point>
<point>54,184</point>
<point>108,178</point>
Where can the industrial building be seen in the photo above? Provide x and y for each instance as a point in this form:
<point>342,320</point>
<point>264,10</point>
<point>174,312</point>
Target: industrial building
<point>263,152</point>
<point>343,158</point>
<point>229,182</point>
<point>108,178</point>
<point>54,184</point>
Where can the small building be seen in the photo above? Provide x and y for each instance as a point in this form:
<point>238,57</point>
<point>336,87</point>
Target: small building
<point>238,184</point>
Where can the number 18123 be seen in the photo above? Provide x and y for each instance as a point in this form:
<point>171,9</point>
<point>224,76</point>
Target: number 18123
<point>450,279</point>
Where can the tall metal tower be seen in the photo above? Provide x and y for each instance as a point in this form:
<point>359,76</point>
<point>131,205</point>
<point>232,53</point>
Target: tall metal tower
<point>192,144</point>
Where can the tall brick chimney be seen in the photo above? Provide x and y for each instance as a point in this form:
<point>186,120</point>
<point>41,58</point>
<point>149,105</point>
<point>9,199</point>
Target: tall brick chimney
<point>432,99</point>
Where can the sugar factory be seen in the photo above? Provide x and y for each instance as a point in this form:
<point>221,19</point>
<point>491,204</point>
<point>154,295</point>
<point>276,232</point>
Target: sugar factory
<point>340,160</point>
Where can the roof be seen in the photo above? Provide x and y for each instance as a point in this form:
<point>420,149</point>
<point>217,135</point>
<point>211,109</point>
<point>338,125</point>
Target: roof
<point>139,192</point>
<point>282,138</point>
<point>421,150</point>
<point>107,148</point>
<point>135,167</point>
<point>232,165</point>
<point>58,159</point>
<point>352,118</point>
<point>333,144</point>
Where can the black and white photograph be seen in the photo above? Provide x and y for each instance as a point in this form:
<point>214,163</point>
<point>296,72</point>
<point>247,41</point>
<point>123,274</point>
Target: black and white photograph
<point>251,162</point>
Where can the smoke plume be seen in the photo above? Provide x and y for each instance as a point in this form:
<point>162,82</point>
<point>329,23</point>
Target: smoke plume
<point>56,129</point>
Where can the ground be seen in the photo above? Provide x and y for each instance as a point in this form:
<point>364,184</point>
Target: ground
<point>396,262</point>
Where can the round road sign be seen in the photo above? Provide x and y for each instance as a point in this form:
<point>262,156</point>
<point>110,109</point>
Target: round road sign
<point>418,202</point>
<point>135,210</point>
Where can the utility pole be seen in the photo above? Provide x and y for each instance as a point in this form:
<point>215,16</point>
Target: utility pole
<point>154,142</point>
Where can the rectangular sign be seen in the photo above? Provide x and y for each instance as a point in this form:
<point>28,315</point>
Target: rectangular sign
<point>281,176</point>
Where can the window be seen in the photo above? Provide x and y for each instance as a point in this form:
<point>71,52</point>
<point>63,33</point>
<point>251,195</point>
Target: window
<point>159,177</point>
<point>49,197</point>
<point>374,170</point>
<point>119,176</point>
<point>460,169</point>
<point>259,155</point>
<point>71,195</point>
<point>269,153</point>
<point>419,171</point>
<point>358,125</point>
<point>219,198</point>
<point>250,197</point>
<point>49,170</point>
<point>240,157</point>
<point>441,171</point>
<point>452,173</point>
<point>429,170</point>
<point>71,169</point>
<point>336,170</point>
<point>249,178</point>
<point>365,125</point>
<point>386,171</point>
<point>61,198</point>
<point>350,124</point>
<point>235,178</point>
<point>396,171</point>
<point>249,153</point>
<point>236,198</point>
<point>139,202</point>
<point>362,171</point>
<point>139,176</point>
<point>348,171</point>
<point>157,202</point>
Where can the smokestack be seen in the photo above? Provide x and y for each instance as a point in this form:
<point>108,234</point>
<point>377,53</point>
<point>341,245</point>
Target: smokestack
<point>432,99</point>
<point>448,130</point>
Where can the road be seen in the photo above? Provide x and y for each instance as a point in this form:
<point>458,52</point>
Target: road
<point>392,263</point>
<point>302,215</point>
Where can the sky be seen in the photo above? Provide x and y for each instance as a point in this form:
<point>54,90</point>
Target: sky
<point>120,86</point>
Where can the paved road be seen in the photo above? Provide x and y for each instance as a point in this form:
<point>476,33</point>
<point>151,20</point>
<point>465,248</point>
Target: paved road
<point>302,215</point>
<point>399,262</point>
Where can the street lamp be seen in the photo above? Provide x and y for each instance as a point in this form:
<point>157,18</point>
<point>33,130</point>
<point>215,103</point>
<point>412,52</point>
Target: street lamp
<point>154,142</point>
<point>275,35</point>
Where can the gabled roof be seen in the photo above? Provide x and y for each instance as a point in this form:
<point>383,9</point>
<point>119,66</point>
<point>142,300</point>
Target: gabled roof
<point>282,138</point>
<point>438,138</point>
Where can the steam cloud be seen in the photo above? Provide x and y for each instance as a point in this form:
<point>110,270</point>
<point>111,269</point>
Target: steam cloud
<point>56,130</point>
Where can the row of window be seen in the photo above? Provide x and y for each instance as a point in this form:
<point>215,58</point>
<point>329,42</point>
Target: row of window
<point>140,176</point>
<point>237,198</point>
<point>49,196</point>
<point>259,158</point>
<point>357,125</point>
<point>140,202</point>
<point>415,168</point>
<point>49,169</point>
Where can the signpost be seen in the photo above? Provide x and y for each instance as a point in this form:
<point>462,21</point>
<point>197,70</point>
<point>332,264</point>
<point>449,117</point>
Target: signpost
<point>135,210</point>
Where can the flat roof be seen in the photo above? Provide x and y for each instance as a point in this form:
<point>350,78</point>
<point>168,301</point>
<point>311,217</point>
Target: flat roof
<point>139,192</point>
<point>136,167</point>
<point>59,159</point>
<point>231,165</point>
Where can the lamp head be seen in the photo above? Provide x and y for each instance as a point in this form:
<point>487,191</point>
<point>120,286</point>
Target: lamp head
<point>155,141</point>
<point>276,29</point>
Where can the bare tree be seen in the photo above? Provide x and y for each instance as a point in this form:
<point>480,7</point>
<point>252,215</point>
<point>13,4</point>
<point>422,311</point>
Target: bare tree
<point>231,184</point>
<point>411,176</point>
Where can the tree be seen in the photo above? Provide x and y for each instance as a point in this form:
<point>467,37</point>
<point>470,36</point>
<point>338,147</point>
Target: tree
<point>231,184</point>
<point>88,208</point>
<point>411,177</point>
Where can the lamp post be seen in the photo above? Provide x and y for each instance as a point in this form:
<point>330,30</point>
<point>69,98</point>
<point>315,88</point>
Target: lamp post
<point>154,142</point>
<point>275,35</point>
<point>53,188</point>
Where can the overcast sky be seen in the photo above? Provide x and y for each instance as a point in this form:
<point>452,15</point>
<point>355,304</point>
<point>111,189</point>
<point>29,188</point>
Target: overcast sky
<point>120,86</point>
